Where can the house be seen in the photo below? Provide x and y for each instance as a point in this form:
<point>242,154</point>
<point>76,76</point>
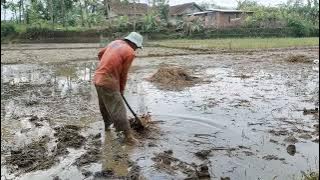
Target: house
<point>181,10</point>
<point>184,9</point>
<point>222,18</point>
<point>117,9</point>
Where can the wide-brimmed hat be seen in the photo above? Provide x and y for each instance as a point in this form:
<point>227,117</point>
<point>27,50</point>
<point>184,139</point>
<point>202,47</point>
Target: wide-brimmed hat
<point>135,38</point>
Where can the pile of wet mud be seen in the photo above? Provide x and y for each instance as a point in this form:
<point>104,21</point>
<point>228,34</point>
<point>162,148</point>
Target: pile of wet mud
<point>173,78</point>
<point>146,129</point>
<point>167,162</point>
<point>298,59</point>
<point>38,155</point>
<point>140,124</point>
<point>68,136</point>
<point>133,174</point>
<point>93,153</point>
<point>32,157</point>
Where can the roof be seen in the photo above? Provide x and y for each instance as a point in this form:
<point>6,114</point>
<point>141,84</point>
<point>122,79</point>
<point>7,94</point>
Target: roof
<point>219,10</point>
<point>128,8</point>
<point>199,13</point>
<point>229,11</point>
<point>178,9</point>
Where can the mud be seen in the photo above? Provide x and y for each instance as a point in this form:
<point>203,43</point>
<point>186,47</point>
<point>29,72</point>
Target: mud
<point>93,153</point>
<point>167,162</point>
<point>32,157</point>
<point>141,123</point>
<point>68,136</point>
<point>56,178</point>
<point>311,111</point>
<point>291,139</point>
<point>298,59</point>
<point>173,78</point>
<point>279,132</point>
<point>146,129</point>
<point>305,136</point>
<point>133,174</point>
<point>272,157</point>
<point>37,155</point>
<point>39,53</point>
<point>225,178</point>
<point>250,105</point>
<point>91,156</point>
<point>203,154</point>
<point>291,149</point>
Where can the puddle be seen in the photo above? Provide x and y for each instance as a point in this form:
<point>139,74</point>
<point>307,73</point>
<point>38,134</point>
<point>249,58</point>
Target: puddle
<point>232,114</point>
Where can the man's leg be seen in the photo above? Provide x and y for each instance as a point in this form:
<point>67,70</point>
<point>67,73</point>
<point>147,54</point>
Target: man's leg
<point>105,114</point>
<point>116,108</point>
<point>121,122</point>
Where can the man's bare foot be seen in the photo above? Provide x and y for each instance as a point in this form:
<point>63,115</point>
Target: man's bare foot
<point>129,138</point>
<point>131,141</point>
<point>107,127</point>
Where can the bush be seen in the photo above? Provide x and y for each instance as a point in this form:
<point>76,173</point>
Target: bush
<point>314,32</point>
<point>300,29</point>
<point>7,30</point>
<point>36,32</point>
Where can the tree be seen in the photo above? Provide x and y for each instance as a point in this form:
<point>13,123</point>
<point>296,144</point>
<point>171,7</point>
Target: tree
<point>50,10</point>
<point>86,5</point>
<point>107,8</point>
<point>4,6</point>
<point>63,8</point>
<point>163,9</point>
<point>81,13</point>
<point>246,4</point>
<point>13,7</point>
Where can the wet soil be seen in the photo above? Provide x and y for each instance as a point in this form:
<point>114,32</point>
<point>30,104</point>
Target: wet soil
<point>167,162</point>
<point>38,156</point>
<point>141,123</point>
<point>203,154</point>
<point>291,139</point>
<point>32,157</point>
<point>68,136</point>
<point>173,78</point>
<point>133,174</point>
<point>237,124</point>
<point>91,156</point>
<point>39,53</point>
<point>299,59</point>
<point>311,111</point>
<point>291,149</point>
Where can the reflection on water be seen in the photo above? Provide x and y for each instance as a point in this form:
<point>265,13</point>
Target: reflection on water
<point>63,78</point>
<point>115,155</point>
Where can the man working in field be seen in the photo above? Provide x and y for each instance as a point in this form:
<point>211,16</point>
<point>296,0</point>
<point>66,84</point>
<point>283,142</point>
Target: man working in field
<point>110,80</point>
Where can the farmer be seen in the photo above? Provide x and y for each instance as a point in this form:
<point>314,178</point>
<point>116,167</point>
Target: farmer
<point>110,80</point>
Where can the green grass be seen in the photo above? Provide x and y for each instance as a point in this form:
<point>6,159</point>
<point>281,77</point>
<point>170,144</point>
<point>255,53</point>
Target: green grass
<point>240,43</point>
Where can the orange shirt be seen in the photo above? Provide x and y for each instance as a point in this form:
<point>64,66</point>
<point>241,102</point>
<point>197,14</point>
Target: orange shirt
<point>115,61</point>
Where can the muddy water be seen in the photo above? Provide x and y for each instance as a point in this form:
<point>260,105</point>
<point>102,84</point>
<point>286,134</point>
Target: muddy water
<point>248,99</point>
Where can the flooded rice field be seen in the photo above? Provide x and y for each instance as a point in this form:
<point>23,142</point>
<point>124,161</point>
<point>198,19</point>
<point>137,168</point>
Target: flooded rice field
<point>250,116</point>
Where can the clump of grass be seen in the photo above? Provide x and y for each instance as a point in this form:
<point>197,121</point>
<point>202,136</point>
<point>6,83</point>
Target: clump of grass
<point>298,59</point>
<point>311,175</point>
